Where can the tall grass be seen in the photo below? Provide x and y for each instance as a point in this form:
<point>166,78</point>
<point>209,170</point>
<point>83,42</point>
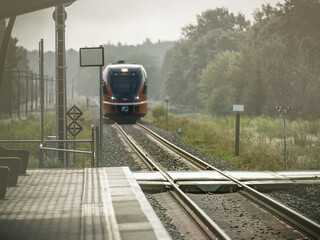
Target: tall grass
<point>261,140</point>
<point>29,129</point>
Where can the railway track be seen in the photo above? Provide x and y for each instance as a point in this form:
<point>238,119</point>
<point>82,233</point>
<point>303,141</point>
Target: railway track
<point>209,228</point>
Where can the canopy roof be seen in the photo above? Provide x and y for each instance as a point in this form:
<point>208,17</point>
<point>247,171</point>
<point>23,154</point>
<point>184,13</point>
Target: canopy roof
<point>10,8</point>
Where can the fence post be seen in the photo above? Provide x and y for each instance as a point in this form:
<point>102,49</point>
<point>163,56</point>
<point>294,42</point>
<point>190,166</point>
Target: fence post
<point>97,145</point>
<point>31,92</point>
<point>37,90</point>
<point>92,144</point>
<point>27,91</point>
<point>19,94</point>
<point>10,92</point>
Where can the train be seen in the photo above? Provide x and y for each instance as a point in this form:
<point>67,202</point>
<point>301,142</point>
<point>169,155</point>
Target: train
<point>124,91</point>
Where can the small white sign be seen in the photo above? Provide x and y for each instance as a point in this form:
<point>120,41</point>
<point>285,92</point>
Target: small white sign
<point>238,108</point>
<point>91,57</point>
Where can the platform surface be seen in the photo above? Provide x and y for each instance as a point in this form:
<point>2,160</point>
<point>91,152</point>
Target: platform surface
<point>97,203</point>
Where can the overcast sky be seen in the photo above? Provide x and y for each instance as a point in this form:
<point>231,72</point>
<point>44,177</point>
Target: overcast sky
<point>95,22</point>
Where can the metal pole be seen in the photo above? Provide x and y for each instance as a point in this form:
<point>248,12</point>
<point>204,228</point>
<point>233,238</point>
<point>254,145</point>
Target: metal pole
<point>18,73</point>
<point>98,145</point>
<point>10,92</point>
<point>46,87</point>
<point>31,92</point>
<point>41,79</point>
<point>61,122</point>
<point>167,112</point>
<point>4,48</point>
<point>37,88</point>
<point>237,140</point>
<point>92,144</point>
<point>285,141</point>
<point>167,98</point>
<point>27,92</point>
<point>99,160</point>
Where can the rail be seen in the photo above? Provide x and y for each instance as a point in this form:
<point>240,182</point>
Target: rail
<point>210,229</point>
<point>305,225</point>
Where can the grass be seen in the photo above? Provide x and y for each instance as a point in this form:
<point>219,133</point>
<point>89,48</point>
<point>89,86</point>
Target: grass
<point>29,128</point>
<point>261,140</point>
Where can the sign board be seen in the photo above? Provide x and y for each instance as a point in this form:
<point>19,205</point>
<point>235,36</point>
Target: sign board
<point>74,128</point>
<point>238,108</point>
<point>91,57</point>
<point>74,113</point>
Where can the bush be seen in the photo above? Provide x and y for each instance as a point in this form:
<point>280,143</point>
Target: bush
<point>158,111</point>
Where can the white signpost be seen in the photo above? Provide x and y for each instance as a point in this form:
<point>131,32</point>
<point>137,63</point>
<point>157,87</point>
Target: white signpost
<point>237,109</point>
<point>94,57</point>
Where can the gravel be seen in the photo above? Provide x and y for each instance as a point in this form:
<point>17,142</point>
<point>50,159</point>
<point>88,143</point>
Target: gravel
<point>242,219</point>
<point>304,199</point>
<point>167,160</point>
<point>115,153</point>
<point>165,219</point>
<point>175,139</point>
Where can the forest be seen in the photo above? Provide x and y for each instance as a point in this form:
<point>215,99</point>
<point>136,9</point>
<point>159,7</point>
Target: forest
<point>149,54</point>
<point>223,59</point>
<point>274,61</point>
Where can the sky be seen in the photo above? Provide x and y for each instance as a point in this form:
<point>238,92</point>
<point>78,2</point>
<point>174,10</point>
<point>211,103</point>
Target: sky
<point>92,23</point>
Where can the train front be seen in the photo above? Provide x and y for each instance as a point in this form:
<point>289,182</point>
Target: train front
<point>125,91</point>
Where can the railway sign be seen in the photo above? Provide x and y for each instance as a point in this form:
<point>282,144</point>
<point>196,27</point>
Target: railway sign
<point>74,113</point>
<point>92,57</point>
<point>74,128</point>
<point>238,108</point>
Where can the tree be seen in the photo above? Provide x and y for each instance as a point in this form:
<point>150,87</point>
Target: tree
<point>15,58</point>
<point>216,31</point>
<point>217,83</point>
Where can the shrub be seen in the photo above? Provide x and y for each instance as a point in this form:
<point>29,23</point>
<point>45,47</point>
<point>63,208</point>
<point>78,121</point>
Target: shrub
<point>158,111</point>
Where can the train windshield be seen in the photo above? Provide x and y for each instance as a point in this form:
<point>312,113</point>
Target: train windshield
<point>125,86</point>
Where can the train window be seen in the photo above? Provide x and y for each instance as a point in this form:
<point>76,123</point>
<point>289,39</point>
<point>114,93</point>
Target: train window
<point>125,86</point>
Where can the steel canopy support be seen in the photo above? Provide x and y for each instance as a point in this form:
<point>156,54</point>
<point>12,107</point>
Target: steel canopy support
<point>61,119</point>
<point>4,48</point>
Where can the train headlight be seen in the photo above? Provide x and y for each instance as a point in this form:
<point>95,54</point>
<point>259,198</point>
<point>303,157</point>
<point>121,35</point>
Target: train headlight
<point>113,98</point>
<point>137,98</point>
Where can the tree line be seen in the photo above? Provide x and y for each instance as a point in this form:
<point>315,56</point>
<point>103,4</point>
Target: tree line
<point>224,60</point>
<point>85,80</point>
<point>16,58</point>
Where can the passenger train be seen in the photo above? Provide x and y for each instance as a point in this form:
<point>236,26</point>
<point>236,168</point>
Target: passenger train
<point>124,91</point>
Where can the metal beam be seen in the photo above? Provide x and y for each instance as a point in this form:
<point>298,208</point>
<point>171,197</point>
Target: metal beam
<point>9,8</point>
<point>4,48</point>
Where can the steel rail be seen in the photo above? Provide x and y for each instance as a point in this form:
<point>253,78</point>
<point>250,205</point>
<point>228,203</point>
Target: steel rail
<point>208,227</point>
<point>295,219</point>
<point>64,150</point>
<point>46,141</point>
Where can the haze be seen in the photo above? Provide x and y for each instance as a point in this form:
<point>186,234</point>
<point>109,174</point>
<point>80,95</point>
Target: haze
<point>96,22</point>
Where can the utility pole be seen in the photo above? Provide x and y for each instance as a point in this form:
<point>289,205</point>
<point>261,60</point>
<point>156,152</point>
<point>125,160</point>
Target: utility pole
<point>60,15</point>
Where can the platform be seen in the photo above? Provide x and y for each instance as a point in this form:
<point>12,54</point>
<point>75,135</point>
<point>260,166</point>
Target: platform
<point>93,203</point>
